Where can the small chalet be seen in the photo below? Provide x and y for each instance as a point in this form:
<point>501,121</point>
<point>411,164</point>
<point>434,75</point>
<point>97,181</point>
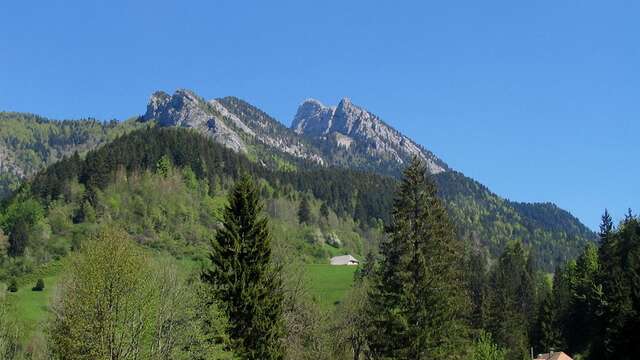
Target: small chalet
<point>344,260</point>
<point>554,356</point>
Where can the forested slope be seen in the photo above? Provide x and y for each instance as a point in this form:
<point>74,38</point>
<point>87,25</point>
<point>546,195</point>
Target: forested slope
<point>481,217</point>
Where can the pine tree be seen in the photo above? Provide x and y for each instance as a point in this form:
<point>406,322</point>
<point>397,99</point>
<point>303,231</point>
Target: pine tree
<point>509,303</point>
<point>549,326</point>
<point>244,279</point>
<point>619,319</point>
<point>304,213</point>
<point>324,210</point>
<point>418,300</point>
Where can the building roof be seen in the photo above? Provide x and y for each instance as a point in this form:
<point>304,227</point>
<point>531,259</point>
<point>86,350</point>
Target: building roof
<point>344,260</point>
<point>558,355</point>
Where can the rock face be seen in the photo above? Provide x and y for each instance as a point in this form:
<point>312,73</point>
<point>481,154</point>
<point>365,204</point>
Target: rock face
<point>186,109</point>
<point>228,121</point>
<point>344,135</point>
<point>360,133</point>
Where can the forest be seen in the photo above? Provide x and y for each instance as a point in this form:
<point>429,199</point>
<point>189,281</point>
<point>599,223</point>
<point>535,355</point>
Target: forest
<point>168,246</point>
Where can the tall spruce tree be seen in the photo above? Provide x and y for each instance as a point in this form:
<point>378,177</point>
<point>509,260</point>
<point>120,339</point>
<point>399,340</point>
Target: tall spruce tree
<point>619,275</point>
<point>509,301</point>
<point>418,300</point>
<point>304,213</point>
<point>244,279</point>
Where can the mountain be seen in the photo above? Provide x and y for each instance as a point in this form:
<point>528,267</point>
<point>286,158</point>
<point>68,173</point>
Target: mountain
<point>352,136</point>
<point>331,138</point>
<point>228,121</point>
<point>349,136</point>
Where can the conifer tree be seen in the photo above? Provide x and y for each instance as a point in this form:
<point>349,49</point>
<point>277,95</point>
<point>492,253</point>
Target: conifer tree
<point>509,302</point>
<point>304,213</point>
<point>324,210</point>
<point>418,301</point>
<point>243,278</point>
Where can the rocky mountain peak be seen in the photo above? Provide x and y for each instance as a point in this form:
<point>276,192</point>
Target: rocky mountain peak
<point>348,124</point>
<point>186,109</point>
<point>312,117</point>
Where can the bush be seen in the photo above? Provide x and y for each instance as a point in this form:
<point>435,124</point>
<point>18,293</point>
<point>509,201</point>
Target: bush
<point>39,285</point>
<point>13,286</point>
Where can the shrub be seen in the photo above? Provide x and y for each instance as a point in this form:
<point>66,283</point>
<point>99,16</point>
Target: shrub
<point>13,286</point>
<point>39,285</point>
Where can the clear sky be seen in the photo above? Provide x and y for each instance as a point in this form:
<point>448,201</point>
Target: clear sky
<point>539,100</point>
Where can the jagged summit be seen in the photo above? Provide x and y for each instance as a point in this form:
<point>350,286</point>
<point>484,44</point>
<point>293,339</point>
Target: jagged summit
<point>312,117</point>
<point>186,109</point>
<point>359,132</point>
<point>228,121</point>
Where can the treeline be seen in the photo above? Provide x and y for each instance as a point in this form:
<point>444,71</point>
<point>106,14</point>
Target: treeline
<point>589,308</point>
<point>349,193</point>
<point>480,216</point>
<point>484,218</point>
<point>594,306</point>
<point>31,142</point>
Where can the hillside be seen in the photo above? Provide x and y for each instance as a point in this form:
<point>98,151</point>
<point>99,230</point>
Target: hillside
<point>351,137</point>
<point>482,217</point>
<point>29,142</point>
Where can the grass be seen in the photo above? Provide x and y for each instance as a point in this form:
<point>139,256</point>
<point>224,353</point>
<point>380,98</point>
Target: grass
<point>329,284</point>
<point>30,309</point>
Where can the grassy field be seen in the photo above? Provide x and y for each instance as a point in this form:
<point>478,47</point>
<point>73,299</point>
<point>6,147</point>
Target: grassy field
<point>329,284</point>
<point>30,308</point>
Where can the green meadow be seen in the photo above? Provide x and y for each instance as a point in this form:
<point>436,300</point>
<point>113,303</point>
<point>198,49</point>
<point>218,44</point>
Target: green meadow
<point>329,284</point>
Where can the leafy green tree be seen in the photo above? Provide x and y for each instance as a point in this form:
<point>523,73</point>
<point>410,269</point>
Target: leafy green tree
<point>164,166</point>
<point>418,304</point>
<point>485,349</point>
<point>104,311</point>
<point>243,277</point>
<point>304,212</point>
<point>117,304</point>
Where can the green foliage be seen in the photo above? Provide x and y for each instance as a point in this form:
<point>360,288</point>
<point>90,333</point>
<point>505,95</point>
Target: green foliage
<point>164,166</point>
<point>13,286</point>
<point>511,301</point>
<point>593,310</point>
<point>304,214</point>
<point>9,332</point>
<point>417,302</point>
<point>39,285</point>
<point>351,323</point>
<point>485,349</point>
<point>479,215</point>
<point>324,211</point>
<point>31,142</point>
<point>243,277</point>
<point>484,218</point>
<point>117,303</point>
<point>329,284</point>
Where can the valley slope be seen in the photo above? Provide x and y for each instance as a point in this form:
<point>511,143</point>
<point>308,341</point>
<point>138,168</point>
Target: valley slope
<point>330,138</point>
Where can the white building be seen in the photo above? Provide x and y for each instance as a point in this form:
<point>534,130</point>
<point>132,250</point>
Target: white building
<point>344,260</point>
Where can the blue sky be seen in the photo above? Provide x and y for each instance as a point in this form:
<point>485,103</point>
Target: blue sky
<point>538,100</point>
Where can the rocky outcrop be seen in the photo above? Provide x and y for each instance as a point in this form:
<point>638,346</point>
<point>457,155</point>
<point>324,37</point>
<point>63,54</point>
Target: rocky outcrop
<point>185,109</point>
<point>229,121</point>
<point>360,132</point>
